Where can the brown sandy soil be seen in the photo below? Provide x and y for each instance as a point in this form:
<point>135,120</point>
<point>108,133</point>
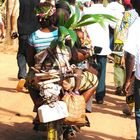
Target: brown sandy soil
<point>107,120</point>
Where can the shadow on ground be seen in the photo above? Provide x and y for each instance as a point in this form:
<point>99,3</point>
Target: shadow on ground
<point>20,131</point>
<point>110,103</point>
<point>6,111</point>
<point>23,131</point>
<point>7,89</point>
<point>92,135</point>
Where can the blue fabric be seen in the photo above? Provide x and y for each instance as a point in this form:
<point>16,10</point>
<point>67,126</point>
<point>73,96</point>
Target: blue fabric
<point>42,40</point>
<point>21,57</point>
<point>101,89</point>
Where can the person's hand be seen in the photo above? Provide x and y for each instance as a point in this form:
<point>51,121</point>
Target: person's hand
<point>14,35</point>
<point>126,87</point>
<point>123,62</point>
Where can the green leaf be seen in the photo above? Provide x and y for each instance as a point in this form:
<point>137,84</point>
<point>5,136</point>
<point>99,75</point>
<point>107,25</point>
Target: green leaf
<point>97,17</point>
<point>63,32</point>
<point>54,43</point>
<point>70,21</point>
<point>61,44</point>
<point>73,19</point>
<point>77,11</point>
<point>94,18</point>
<point>107,17</point>
<point>85,17</point>
<point>85,23</point>
<point>73,36</point>
<point>61,19</point>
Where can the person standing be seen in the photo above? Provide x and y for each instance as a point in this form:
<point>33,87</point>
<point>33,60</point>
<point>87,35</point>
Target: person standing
<point>26,24</point>
<point>2,32</point>
<point>129,16</point>
<point>132,48</point>
<point>99,37</point>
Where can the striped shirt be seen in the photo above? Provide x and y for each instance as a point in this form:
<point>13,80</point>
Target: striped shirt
<point>42,40</point>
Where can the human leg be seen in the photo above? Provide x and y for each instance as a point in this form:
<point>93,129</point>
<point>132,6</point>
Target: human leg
<point>137,106</point>
<point>2,33</point>
<point>21,61</point>
<point>89,84</point>
<point>130,101</point>
<point>78,79</point>
<point>89,104</point>
<point>1,29</point>
<point>21,57</point>
<point>36,98</point>
<point>100,92</point>
<point>119,79</point>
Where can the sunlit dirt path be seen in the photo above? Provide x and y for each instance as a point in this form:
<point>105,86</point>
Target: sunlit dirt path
<point>107,120</point>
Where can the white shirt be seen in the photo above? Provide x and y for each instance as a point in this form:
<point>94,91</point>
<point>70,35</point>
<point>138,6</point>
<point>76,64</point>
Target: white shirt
<point>132,44</point>
<point>98,35</point>
<point>117,9</point>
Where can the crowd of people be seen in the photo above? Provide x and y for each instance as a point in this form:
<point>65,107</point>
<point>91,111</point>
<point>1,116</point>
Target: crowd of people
<point>118,38</point>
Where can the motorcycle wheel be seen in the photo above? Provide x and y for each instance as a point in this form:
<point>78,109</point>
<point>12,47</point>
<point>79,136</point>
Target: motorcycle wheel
<point>69,133</point>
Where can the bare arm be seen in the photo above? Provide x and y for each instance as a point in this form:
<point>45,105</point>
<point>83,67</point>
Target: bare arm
<point>14,16</point>
<point>30,53</point>
<point>129,64</point>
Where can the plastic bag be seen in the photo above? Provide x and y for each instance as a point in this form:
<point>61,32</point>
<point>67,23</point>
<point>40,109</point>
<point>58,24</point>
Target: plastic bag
<point>76,108</point>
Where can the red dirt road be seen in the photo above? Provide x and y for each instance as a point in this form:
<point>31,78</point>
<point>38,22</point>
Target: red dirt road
<point>107,120</point>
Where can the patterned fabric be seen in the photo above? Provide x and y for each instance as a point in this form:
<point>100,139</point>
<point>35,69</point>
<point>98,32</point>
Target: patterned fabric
<point>87,41</point>
<point>88,81</point>
<point>128,19</point>
<point>45,9</point>
<point>42,40</point>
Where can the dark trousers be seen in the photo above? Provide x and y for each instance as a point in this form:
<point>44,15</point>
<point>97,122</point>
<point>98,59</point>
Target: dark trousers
<point>21,56</point>
<point>137,106</point>
<point>101,89</point>
<point>36,98</point>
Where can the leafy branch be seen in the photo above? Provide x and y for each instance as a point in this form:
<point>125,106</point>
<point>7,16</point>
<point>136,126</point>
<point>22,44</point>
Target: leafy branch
<point>76,21</point>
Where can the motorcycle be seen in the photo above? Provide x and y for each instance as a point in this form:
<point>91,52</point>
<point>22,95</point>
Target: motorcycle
<point>53,110</point>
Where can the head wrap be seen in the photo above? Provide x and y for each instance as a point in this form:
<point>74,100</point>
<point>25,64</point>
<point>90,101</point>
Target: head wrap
<point>44,10</point>
<point>127,3</point>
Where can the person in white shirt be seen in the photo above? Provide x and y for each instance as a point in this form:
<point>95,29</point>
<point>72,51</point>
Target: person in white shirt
<point>117,10</point>
<point>132,48</point>
<point>99,37</point>
<point>116,7</point>
<point>2,30</point>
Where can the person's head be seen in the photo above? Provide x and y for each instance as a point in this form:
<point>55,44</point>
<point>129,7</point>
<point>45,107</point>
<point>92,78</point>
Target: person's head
<point>97,1</point>
<point>80,35</point>
<point>113,1</point>
<point>88,3</point>
<point>62,8</point>
<point>44,12</point>
<point>72,2</point>
<point>136,5</point>
<point>127,4</point>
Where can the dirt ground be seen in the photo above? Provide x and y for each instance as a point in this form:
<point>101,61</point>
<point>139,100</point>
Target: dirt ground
<point>107,120</point>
